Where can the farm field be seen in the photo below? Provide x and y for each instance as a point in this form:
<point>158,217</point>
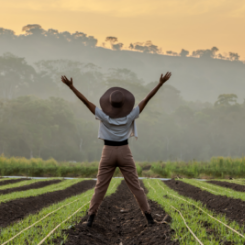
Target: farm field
<point>186,211</point>
<point>218,168</point>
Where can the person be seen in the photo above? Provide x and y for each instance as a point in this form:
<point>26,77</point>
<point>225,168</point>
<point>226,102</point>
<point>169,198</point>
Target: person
<point>117,124</point>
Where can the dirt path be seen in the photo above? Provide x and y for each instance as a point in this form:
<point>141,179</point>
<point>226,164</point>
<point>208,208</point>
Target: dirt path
<point>12,181</point>
<point>120,221</point>
<point>233,186</point>
<point>18,208</point>
<point>36,185</point>
<point>234,209</point>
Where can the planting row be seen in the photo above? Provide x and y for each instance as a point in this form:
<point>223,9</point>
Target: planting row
<point>47,225</point>
<point>193,221</point>
<point>186,211</point>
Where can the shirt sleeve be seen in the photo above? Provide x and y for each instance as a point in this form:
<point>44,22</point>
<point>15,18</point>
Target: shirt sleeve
<point>134,113</point>
<point>100,115</point>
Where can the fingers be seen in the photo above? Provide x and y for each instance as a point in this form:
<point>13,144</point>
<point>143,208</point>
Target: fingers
<point>165,77</point>
<point>64,80</point>
<point>168,75</point>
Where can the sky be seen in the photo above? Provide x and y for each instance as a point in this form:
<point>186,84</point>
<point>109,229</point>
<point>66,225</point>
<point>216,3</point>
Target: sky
<point>169,24</point>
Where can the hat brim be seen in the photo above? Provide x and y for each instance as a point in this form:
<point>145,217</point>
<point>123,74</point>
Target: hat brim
<point>115,112</point>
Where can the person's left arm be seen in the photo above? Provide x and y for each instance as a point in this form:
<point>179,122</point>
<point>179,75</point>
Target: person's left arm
<point>69,83</point>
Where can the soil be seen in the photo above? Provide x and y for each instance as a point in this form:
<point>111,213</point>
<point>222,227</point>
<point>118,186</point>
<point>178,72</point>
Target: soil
<point>120,221</point>
<point>234,209</point>
<point>12,181</point>
<point>36,185</point>
<point>17,209</point>
<point>233,186</point>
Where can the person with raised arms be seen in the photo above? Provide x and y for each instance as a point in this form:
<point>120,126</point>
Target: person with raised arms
<point>117,124</point>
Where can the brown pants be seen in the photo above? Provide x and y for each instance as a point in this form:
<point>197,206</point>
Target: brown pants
<point>112,157</point>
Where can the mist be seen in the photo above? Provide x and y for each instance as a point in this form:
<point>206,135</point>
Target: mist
<point>198,114</point>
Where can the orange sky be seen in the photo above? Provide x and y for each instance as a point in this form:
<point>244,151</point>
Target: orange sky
<point>170,24</point>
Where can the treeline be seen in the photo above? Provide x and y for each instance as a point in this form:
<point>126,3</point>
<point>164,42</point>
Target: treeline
<point>202,74</point>
<point>41,117</point>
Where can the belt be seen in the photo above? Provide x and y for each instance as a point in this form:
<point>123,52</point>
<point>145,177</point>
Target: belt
<point>115,143</point>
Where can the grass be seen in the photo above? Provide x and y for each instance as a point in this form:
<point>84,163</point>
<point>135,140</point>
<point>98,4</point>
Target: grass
<point>195,219</point>
<point>2,179</point>
<point>218,167</point>
<point>35,192</point>
<point>234,181</point>
<point>216,190</point>
<point>35,234</point>
<point>37,167</point>
<point>23,183</point>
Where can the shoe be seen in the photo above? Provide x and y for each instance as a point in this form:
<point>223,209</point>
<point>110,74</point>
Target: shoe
<point>149,218</point>
<point>90,220</point>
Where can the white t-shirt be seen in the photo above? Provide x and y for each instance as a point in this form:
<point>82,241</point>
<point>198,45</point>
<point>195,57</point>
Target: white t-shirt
<point>117,129</point>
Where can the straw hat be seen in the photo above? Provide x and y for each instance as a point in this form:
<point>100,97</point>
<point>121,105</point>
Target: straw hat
<point>117,102</point>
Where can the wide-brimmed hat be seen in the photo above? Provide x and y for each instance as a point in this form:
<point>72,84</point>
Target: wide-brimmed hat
<point>117,102</point>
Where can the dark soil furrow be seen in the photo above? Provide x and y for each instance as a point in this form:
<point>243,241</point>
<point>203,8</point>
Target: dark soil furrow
<point>234,209</point>
<point>17,209</point>
<point>36,185</point>
<point>233,186</point>
<point>120,221</point>
<point>12,181</point>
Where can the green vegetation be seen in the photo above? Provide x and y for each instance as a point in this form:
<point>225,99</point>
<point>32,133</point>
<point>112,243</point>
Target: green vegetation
<point>35,192</point>
<point>37,167</point>
<point>42,229</point>
<point>49,168</point>
<point>22,183</point>
<point>204,227</point>
<point>219,167</point>
<point>2,179</point>
<point>216,190</point>
<point>41,118</point>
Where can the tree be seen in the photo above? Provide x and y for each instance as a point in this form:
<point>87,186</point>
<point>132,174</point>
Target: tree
<point>15,75</point>
<point>226,99</point>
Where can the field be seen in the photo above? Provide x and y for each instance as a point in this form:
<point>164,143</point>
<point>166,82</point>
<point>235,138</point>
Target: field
<point>218,167</point>
<point>186,211</point>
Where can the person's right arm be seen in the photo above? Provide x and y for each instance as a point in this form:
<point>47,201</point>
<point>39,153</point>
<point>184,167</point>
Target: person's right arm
<point>162,80</point>
<point>69,83</point>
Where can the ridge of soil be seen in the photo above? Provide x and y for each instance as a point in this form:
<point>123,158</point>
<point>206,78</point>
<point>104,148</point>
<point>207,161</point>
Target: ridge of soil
<point>12,181</point>
<point>17,209</point>
<point>36,185</point>
<point>233,186</point>
<point>233,209</point>
<point>120,221</point>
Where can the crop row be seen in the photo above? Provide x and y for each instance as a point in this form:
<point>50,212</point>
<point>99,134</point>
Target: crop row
<point>47,225</point>
<point>216,190</point>
<point>23,183</point>
<point>208,227</point>
<point>35,192</point>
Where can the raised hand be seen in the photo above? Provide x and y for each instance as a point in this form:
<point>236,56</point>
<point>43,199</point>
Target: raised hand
<point>165,78</point>
<point>68,82</point>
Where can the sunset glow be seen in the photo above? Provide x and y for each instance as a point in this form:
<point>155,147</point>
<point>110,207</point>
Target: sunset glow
<point>170,24</point>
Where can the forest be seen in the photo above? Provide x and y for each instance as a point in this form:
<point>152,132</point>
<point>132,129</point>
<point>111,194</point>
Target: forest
<point>41,117</point>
